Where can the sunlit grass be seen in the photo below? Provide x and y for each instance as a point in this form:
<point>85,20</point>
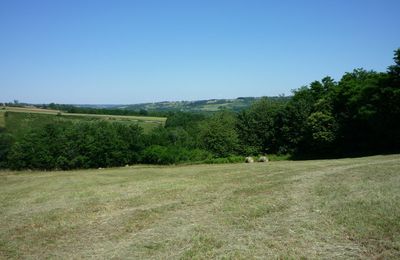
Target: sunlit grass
<point>346,208</point>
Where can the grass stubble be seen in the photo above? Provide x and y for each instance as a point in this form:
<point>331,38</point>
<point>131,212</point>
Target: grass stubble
<point>346,208</point>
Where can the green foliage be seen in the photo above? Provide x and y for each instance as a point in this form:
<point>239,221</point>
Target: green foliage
<point>183,119</point>
<point>357,115</point>
<point>229,159</point>
<point>6,141</point>
<point>310,124</point>
<point>257,127</point>
<point>68,145</point>
<point>367,109</point>
<point>278,157</point>
<point>157,154</point>
<point>218,134</point>
<point>322,130</point>
<point>199,106</point>
<point>108,110</point>
<point>171,137</point>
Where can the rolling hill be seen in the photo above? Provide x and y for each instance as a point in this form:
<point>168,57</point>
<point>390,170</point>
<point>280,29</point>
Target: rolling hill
<point>20,117</point>
<point>209,105</point>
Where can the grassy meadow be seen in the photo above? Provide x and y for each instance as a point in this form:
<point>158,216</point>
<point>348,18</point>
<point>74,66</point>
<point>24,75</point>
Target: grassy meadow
<point>18,118</point>
<point>345,208</point>
<point>2,119</point>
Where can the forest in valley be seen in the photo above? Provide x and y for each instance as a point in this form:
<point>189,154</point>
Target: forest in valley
<point>357,115</point>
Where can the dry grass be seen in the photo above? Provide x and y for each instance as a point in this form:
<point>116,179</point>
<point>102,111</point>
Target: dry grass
<point>346,208</point>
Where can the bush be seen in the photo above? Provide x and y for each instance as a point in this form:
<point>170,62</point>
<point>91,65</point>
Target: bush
<point>230,159</point>
<point>278,157</point>
<point>67,145</point>
<point>157,154</point>
<point>218,134</point>
<point>5,146</point>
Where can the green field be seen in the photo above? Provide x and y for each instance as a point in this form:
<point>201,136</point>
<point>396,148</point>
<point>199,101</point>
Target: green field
<point>2,119</point>
<point>21,117</point>
<point>346,208</point>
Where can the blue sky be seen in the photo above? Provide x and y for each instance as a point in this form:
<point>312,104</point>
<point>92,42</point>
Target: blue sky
<point>120,52</point>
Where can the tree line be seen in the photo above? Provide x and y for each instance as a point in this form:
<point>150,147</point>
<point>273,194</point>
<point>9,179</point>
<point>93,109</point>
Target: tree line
<point>360,114</point>
<point>101,111</point>
<point>357,115</point>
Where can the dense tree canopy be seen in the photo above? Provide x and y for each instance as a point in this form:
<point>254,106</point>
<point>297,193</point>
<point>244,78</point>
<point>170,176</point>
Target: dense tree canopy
<point>359,114</point>
<point>218,134</point>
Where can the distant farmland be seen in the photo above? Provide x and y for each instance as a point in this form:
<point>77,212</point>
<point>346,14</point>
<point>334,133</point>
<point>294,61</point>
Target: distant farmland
<point>25,114</point>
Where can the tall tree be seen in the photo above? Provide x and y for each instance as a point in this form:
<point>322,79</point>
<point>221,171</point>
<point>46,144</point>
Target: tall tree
<point>218,134</point>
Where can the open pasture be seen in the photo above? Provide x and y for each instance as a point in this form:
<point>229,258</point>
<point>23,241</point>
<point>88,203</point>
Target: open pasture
<point>345,208</point>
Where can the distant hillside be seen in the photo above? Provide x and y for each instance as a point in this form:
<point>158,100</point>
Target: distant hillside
<point>156,108</point>
<point>210,105</point>
<point>20,118</point>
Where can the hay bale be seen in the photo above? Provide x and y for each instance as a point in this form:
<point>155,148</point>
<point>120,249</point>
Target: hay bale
<point>262,159</point>
<point>249,159</point>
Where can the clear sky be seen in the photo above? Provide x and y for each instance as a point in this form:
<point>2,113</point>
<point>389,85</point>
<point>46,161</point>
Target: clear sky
<point>134,51</point>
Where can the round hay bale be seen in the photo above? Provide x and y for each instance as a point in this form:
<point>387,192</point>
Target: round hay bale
<point>262,159</point>
<point>249,159</point>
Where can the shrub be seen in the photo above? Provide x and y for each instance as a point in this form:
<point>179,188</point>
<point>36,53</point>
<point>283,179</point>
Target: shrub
<point>221,160</point>
<point>66,145</point>
<point>218,134</point>
<point>278,157</point>
<point>157,154</point>
<point>5,146</point>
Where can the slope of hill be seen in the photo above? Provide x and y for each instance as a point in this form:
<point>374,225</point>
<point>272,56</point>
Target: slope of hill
<point>209,105</point>
<point>320,209</point>
<point>20,117</point>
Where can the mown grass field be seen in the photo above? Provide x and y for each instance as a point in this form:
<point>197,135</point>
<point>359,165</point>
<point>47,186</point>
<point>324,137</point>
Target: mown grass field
<point>2,119</point>
<point>26,115</point>
<point>346,208</point>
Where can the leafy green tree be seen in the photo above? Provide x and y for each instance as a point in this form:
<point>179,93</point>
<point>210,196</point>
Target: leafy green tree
<point>257,126</point>
<point>394,70</point>
<point>183,119</point>
<point>357,102</point>
<point>292,121</point>
<point>218,134</point>
<point>322,131</point>
<point>6,141</point>
<point>67,145</point>
<point>390,105</point>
